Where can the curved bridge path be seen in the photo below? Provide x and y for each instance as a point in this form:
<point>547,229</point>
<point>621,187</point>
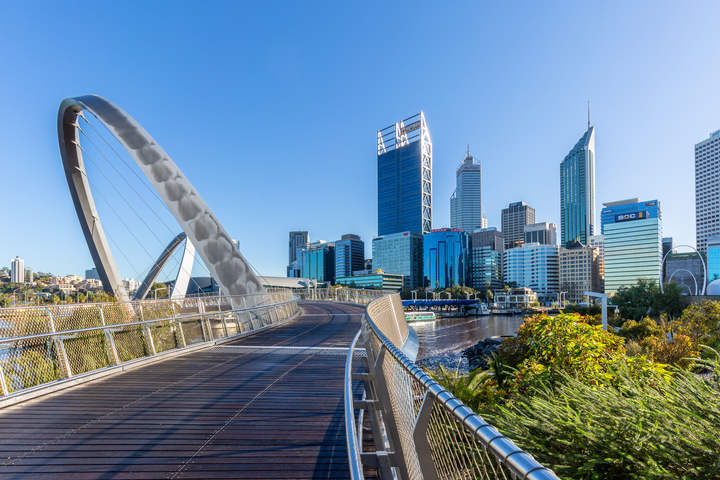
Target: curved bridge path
<point>266,406</point>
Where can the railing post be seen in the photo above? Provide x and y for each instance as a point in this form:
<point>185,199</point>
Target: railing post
<point>178,325</point>
<point>147,332</point>
<point>422,446</point>
<point>59,347</point>
<point>3,384</point>
<point>109,338</point>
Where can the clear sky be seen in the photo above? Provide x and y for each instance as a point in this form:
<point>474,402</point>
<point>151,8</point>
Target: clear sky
<point>271,109</point>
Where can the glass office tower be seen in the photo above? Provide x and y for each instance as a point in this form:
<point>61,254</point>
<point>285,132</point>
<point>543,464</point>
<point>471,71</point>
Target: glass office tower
<point>400,254</point>
<point>446,262</point>
<point>707,185</point>
<point>404,160</point>
<point>349,255</point>
<point>632,232</point>
<point>317,261</point>
<point>577,191</point>
<point>534,266</point>
<point>486,262</point>
<point>466,201</point>
<point>713,258</point>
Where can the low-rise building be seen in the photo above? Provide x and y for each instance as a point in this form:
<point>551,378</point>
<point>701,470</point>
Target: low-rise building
<point>377,280</point>
<point>515,298</point>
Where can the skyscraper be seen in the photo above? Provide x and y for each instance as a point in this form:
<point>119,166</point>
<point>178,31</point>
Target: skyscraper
<point>349,255</point>
<point>632,234</point>
<point>466,211</point>
<point>446,261</point>
<point>317,261</point>
<point>707,185</point>
<point>514,219</point>
<point>17,270</point>
<point>297,240</point>
<point>577,190</point>
<point>404,162</point>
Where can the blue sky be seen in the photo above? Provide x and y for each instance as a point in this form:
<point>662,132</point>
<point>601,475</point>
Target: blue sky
<point>271,110</point>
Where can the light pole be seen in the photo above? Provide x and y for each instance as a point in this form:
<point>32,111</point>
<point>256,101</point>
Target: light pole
<point>603,298</point>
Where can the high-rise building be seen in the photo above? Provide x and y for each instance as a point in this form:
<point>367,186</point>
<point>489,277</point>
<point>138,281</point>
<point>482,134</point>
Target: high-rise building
<point>598,241</point>
<point>544,233</point>
<point>297,240</point>
<point>514,219</point>
<point>707,185</point>
<point>17,270</point>
<point>486,259</point>
<point>577,190</point>
<point>404,163</point>
<point>534,266</point>
<point>667,247</point>
<point>317,261</point>
<point>400,254</point>
<point>446,260</point>
<point>349,255</point>
<point>466,211</point>
<point>579,272</point>
<point>713,258</point>
<point>29,275</point>
<point>632,234</point>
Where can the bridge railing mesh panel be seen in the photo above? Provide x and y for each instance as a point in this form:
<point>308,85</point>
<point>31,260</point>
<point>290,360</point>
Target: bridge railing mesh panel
<point>421,430</point>
<point>39,345</point>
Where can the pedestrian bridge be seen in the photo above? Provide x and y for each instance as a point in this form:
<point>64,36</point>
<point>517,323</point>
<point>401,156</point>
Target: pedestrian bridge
<point>251,383</point>
<point>220,387</point>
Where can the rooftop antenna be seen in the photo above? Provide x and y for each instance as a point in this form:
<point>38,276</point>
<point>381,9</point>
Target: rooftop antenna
<point>468,150</point>
<point>588,114</point>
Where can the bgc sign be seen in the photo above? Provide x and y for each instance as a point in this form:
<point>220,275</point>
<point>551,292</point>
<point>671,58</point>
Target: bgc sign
<point>626,217</point>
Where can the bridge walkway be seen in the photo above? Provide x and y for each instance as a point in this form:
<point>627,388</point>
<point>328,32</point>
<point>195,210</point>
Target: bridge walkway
<point>267,406</point>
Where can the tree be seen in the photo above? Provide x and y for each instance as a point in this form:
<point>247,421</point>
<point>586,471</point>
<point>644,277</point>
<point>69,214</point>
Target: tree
<point>637,301</point>
<point>700,322</point>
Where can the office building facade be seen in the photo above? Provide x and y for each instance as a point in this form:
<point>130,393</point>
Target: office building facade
<point>486,259</point>
<point>632,235</point>
<point>92,274</point>
<point>349,255</point>
<point>17,270</point>
<point>446,258</point>
<point>577,191</point>
<point>686,270</point>
<point>297,240</point>
<point>544,233</point>
<point>466,211</point>
<point>579,272</point>
<point>373,280</point>
<point>514,219</point>
<point>598,241</point>
<point>317,261</point>
<point>404,163</point>
<point>707,190</point>
<point>400,254</point>
<point>713,258</point>
<point>534,266</point>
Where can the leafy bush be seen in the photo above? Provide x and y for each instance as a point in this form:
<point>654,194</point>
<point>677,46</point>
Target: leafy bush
<point>640,329</point>
<point>548,346</point>
<point>655,427</point>
<point>700,322</point>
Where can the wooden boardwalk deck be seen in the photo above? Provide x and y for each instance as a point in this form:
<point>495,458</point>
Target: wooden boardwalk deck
<point>227,412</point>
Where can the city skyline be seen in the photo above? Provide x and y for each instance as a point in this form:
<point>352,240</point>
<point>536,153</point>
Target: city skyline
<point>649,117</point>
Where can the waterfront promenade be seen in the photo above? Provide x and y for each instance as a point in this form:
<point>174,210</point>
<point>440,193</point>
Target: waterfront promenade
<point>267,406</point>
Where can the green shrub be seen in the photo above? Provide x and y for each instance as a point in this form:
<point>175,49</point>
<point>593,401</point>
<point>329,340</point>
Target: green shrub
<point>651,427</point>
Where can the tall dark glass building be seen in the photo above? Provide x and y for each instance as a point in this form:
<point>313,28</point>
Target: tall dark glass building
<point>577,191</point>
<point>349,255</point>
<point>404,160</point>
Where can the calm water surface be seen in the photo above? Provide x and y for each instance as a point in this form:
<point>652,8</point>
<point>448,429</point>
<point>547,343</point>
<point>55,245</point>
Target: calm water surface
<point>451,335</point>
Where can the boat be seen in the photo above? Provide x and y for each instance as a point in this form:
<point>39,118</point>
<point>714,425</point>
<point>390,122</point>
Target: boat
<point>419,316</point>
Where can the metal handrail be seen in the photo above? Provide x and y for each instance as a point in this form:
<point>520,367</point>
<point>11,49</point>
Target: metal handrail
<point>518,462</point>
<point>183,317</point>
<point>354,459</point>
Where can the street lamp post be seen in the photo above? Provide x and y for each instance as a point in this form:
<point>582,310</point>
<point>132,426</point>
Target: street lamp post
<point>603,298</point>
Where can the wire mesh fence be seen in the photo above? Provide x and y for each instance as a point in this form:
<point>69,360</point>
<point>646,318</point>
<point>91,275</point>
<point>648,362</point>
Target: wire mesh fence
<point>421,431</point>
<point>39,345</point>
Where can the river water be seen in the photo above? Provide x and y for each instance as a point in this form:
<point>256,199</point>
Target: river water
<point>452,335</point>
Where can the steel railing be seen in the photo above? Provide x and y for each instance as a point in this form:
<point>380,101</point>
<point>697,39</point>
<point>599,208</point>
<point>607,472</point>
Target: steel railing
<point>419,429</point>
<point>347,295</point>
<point>42,345</point>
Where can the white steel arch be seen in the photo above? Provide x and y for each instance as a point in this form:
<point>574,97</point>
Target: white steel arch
<point>226,264</point>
